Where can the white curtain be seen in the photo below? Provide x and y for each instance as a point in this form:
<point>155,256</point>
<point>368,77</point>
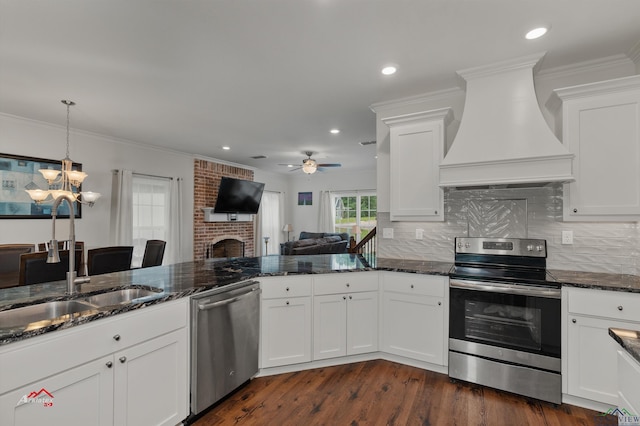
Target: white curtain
<point>269,224</point>
<point>122,208</point>
<point>174,240</point>
<point>326,217</point>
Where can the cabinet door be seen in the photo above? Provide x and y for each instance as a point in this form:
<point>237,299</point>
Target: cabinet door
<point>362,322</point>
<point>285,331</point>
<point>151,382</point>
<point>413,326</point>
<point>329,326</point>
<point>603,132</point>
<point>416,149</point>
<point>629,380</point>
<point>592,358</point>
<point>81,396</point>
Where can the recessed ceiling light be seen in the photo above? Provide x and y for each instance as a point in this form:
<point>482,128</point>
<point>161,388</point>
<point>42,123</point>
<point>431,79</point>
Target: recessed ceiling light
<point>536,33</point>
<point>334,131</point>
<point>389,69</point>
<point>226,148</point>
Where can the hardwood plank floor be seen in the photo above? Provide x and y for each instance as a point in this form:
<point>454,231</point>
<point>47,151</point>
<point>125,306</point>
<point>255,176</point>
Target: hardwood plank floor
<point>384,393</point>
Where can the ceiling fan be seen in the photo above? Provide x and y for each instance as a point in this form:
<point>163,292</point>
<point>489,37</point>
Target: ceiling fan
<point>310,166</point>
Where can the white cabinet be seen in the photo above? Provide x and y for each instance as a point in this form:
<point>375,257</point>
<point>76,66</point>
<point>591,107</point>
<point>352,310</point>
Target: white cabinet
<point>285,321</point>
<point>629,382</point>
<point>414,322</point>
<point>601,127</point>
<point>416,149</point>
<point>591,354</point>
<point>345,314</point>
<point>128,370</point>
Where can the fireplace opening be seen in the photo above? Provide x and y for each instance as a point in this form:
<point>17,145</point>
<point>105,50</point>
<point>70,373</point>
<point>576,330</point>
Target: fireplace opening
<point>228,247</point>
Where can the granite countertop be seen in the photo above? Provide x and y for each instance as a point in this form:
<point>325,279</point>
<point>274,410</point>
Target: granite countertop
<point>184,279</point>
<point>628,339</point>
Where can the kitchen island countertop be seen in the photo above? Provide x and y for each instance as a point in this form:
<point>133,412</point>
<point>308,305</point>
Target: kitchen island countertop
<point>628,339</point>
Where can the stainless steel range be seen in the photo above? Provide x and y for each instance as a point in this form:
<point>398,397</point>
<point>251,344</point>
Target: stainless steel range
<point>504,317</point>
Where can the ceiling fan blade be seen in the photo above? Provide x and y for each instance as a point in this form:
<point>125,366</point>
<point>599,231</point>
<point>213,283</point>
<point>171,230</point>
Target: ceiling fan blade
<point>293,169</point>
<point>330,165</point>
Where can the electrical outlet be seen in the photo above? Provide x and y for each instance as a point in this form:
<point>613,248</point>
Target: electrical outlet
<point>567,237</point>
<point>387,232</point>
<point>419,234</point>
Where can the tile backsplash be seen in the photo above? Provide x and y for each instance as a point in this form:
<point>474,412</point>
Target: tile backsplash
<point>523,212</point>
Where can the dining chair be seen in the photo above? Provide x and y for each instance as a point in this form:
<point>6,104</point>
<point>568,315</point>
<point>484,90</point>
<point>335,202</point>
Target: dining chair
<point>109,259</point>
<point>34,268</point>
<point>64,245</point>
<point>153,253</point>
<point>10,262</point>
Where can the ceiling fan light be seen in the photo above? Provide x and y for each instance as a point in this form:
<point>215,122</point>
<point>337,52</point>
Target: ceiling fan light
<point>309,166</point>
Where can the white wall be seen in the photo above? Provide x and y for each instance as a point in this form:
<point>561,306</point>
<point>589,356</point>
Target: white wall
<point>99,155</point>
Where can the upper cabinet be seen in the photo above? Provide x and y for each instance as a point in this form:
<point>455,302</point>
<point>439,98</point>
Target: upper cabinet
<point>601,127</point>
<point>417,147</point>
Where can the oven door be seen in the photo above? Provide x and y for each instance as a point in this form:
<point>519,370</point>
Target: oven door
<point>512,316</point>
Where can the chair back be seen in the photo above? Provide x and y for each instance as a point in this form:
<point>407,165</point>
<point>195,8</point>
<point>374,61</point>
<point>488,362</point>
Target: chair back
<point>153,253</point>
<point>109,259</point>
<point>34,268</point>
<point>64,245</point>
<point>10,263</point>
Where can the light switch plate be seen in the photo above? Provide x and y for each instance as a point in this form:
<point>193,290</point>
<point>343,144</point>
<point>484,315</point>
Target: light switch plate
<point>567,237</point>
<point>419,234</point>
<point>387,232</point>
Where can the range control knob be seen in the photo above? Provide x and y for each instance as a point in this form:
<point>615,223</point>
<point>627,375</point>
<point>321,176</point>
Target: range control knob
<point>530,247</point>
<point>467,245</point>
<point>540,247</point>
<point>459,245</point>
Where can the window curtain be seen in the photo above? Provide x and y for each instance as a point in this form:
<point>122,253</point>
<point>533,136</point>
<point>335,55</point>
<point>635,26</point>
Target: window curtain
<point>176,213</point>
<point>122,208</point>
<point>326,217</point>
<point>269,224</point>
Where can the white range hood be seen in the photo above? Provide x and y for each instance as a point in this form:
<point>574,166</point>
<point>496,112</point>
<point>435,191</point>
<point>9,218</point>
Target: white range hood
<point>503,138</point>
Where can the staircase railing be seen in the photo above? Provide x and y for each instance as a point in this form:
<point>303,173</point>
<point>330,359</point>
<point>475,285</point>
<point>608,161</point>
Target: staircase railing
<point>366,246</point>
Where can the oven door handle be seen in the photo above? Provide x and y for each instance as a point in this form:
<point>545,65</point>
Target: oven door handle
<point>518,289</point>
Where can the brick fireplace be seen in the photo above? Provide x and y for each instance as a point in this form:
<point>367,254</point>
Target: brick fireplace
<point>207,176</point>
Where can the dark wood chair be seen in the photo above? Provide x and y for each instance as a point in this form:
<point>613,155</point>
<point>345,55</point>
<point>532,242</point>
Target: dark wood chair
<point>34,268</point>
<point>153,253</point>
<point>10,263</point>
<point>64,245</point>
<point>109,259</point>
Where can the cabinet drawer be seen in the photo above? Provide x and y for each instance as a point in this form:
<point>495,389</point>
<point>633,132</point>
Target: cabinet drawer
<point>417,284</point>
<point>279,287</point>
<point>24,362</point>
<point>348,282</point>
<point>608,304</point>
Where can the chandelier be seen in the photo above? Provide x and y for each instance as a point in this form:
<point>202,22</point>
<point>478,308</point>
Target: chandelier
<point>65,181</point>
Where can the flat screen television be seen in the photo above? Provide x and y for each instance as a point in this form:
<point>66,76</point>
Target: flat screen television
<point>238,196</point>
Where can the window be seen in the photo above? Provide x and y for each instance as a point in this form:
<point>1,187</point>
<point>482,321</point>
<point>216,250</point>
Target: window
<point>150,212</point>
<point>269,216</point>
<point>355,213</point>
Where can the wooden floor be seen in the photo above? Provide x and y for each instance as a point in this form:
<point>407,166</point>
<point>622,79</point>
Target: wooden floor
<point>384,393</point>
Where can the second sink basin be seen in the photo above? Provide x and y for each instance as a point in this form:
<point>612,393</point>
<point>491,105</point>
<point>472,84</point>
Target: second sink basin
<point>118,297</point>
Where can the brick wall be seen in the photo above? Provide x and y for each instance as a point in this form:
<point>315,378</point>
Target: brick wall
<point>207,176</point>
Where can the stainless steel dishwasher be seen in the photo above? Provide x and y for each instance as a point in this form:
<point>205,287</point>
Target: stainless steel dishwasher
<point>224,341</point>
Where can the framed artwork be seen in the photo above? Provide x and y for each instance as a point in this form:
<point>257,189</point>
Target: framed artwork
<point>19,173</point>
<point>305,198</point>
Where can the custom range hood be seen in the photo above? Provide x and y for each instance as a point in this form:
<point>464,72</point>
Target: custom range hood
<point>503,138</point>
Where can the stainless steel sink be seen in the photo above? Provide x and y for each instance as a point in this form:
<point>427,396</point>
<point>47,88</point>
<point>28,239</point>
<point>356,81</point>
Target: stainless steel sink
<point>21,317</point>
<point>119,297</point>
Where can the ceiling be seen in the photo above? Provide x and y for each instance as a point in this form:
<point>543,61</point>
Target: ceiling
<point>272,77</point>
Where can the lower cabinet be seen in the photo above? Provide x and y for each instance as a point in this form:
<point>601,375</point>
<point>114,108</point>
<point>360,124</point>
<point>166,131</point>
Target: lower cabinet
<point>629,382</point>
<point>285,321</point>
<point>414,323</point>
<point>132,369</point>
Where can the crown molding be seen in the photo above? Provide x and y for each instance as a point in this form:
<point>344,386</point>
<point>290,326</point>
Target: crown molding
<point>417,99</point>
<point>601,64</point>
<point>634,54</point>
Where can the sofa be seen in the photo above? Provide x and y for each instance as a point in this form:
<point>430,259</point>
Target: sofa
<point>316,243</point>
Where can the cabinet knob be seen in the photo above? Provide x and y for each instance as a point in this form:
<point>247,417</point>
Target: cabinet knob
<point>109,364</point>
<point>347,284</point>
<point>575,210</point>
<point>620,308</point>
<point>287,289</point>
<point>439,303</point>
<point>123,359</point>
<point>116,337</point>
<point>350,297</point>
<point>411,285</point>
<point>287,302</point>
<point>574,320</point>
<point>436,212</point>
<point>344,297</point>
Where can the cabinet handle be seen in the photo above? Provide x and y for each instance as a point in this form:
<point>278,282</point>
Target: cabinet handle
<point>574,320</point>
<point>123,359</point>
<point>575,210</point>
<point>287,289</point>
<point>620,307</point>
<point>287,302</point>
<point>116,337</point>
<point>109,364</point>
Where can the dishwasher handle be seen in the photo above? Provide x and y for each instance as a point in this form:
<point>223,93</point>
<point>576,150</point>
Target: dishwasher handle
<point>228,301</point>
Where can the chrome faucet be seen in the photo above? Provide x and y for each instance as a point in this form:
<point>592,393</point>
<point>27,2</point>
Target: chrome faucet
<point>53,256</point>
